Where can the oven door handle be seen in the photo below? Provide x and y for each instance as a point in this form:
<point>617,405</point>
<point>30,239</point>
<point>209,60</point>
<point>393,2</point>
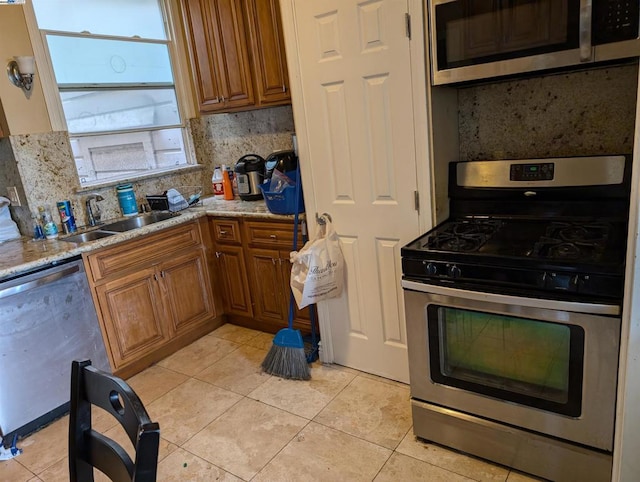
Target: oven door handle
<point>588,308</point>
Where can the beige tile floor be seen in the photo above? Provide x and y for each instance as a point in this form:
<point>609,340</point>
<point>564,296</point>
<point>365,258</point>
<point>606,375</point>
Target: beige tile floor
<point>221,419</point>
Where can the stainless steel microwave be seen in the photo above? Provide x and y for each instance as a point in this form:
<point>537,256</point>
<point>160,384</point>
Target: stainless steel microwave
<point>481,39</point>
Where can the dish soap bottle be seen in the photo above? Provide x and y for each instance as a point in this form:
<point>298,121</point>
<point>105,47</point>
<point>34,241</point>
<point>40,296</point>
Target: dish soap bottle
<point>217,182</point>
<point>50,229</point>
<point>38,232</point>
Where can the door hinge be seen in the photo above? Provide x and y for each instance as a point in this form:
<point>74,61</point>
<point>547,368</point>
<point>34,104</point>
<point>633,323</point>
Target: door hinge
<point>416,200</point>
<point>407,18</point>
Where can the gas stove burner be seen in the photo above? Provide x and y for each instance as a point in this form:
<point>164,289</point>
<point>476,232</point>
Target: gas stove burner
<point>459,243</point>
<point>476,226</point>
<point>572,241</point>
<point>564,251</point>
<point>466,235</point>
<point>577,232</point>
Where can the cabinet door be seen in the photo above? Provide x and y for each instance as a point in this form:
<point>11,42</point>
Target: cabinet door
<point>199,18</point>
<point>187,291</point>
<point>301,318</point>
<point>132,313</point>
<point>233,274</point>
<point>267,283</point>
<point>267,49</point>
<point>218,42</point>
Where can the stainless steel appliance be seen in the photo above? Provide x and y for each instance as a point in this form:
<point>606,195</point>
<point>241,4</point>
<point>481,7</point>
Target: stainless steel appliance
<point>513,314</point>
<point>47,319</point>
<point>249,172</point>
<point>471,40</point>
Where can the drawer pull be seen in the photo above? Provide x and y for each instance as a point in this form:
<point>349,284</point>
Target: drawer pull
<point>273,236</point>
<point>223,233</point>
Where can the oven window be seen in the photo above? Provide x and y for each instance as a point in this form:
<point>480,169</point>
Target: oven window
<point>532,362</point>
<point>471,32</point>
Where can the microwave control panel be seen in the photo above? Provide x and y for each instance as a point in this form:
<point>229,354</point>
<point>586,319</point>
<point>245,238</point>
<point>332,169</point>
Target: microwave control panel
<point>614,21</point>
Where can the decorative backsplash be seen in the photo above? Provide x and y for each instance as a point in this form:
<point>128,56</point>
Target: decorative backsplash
<point>580,113</point>
<point>225,138</point>
<point>41,166</point>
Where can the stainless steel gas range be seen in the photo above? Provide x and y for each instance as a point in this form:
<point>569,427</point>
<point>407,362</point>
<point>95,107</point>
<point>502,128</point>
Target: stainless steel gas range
<point>513,309</point>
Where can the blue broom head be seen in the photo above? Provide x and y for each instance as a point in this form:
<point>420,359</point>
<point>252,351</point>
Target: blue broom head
<point>288,338</point>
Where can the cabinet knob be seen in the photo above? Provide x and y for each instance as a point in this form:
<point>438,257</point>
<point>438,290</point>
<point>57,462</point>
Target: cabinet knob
<point>218,254</point>
<point>273,236</point>
<point>223,233</point>
<point>273,261</point>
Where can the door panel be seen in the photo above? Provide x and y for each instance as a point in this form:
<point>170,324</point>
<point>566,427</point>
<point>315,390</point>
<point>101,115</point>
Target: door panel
<point>267,285</point>
<point>355,69</point>
<point>132,315</point>
<point>188,291</point>
<point>237,299</point>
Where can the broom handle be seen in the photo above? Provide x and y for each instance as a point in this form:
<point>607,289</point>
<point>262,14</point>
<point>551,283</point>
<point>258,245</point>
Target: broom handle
<point>295,241</point>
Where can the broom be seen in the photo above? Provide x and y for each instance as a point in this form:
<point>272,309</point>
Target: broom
<point>287,358</point>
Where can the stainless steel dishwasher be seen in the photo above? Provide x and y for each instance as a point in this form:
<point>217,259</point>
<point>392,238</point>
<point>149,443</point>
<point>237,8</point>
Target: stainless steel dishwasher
<point>47,319</point>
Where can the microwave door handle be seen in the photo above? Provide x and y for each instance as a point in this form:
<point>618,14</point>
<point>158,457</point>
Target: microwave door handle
<point>586,15</point>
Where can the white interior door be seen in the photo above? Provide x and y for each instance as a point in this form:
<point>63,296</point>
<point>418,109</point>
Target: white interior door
<point>354,118</point>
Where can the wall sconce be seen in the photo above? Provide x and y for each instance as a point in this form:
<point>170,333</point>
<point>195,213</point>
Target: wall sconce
<point>21,71</point>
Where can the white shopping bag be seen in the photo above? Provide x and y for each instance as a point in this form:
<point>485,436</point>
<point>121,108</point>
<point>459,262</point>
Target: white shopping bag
<point>318,268</point>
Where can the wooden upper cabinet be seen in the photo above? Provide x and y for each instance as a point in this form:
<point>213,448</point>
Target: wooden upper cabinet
<point>237,53</point>
<point>268,54</point>
<point>218,42</point>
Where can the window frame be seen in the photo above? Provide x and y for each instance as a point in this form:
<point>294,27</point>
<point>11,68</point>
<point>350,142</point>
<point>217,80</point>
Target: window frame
<point>178,57</point>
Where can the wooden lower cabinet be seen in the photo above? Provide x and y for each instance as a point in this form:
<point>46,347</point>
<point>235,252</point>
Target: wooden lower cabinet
<point>132,316</point>
<point>159,301</point>
<point>267,283</point>
<point>233,270</point>
<point>186,291</point>
<point>254,267</point>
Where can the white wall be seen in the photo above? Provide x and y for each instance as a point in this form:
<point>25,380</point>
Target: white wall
<point>24,115</point>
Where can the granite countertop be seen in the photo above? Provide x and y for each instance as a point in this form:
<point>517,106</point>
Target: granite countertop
<point>25,254</point>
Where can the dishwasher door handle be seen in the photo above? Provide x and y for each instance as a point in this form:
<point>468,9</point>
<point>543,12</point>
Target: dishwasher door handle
<point>29,285</point>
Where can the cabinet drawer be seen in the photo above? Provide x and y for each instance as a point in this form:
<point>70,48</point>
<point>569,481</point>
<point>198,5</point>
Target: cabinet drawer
<point>278,234</point>
<point>143,251</point>
<point>227,231</point>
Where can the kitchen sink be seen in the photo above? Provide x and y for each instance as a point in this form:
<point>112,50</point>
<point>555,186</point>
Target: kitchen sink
<point>138,221</point>
<point>122,226</point>
<point>88,236</point>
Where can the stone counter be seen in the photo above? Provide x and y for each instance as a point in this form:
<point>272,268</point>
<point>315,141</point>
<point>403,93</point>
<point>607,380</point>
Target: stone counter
<point>25,254</point>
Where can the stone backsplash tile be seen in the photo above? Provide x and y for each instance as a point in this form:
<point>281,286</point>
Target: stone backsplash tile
<point>47,173</point>
<point>589,112</point>
<point>42,166</point>
<point>225,138</point>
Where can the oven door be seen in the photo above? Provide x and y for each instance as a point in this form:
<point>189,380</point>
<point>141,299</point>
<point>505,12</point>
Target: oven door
<point>542,365</point>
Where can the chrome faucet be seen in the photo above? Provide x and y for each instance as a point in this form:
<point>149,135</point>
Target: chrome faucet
<point>93,214</point>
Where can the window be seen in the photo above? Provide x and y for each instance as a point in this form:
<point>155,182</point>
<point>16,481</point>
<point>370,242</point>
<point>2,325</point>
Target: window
<point>112,65</point>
